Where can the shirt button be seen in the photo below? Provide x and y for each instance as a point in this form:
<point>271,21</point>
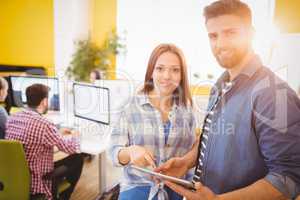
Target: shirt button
<point>208,121</point>
<point>206,128</point>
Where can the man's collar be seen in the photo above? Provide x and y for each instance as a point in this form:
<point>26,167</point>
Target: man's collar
<point>252,66</point>
<point>33,110</point>
<point>224,78</point>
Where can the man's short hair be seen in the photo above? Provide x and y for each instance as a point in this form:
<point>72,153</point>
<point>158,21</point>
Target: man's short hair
<point>35,94</point>
<point>228,7</point>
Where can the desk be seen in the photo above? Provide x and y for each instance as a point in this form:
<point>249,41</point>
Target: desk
<point>97,146</point>
<point>94,140</point>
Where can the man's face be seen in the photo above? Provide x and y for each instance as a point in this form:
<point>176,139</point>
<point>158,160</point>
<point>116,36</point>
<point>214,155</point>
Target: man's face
<point>45,105</point>
<point>230,39</point>
<point>3,93</point>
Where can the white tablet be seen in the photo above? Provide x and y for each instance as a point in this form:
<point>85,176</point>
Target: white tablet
<point>182,182</point>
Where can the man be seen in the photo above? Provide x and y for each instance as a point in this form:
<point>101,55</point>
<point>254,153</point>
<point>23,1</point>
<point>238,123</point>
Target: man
<point>39,136</point>
<point>250,142</point>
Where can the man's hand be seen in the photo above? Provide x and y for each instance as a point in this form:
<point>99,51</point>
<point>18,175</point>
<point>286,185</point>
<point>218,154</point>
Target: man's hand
<point>176,167</point>
<point>75,133</point>
<point>65,131</point>
<point>69,132</point>
<point>201,193</point>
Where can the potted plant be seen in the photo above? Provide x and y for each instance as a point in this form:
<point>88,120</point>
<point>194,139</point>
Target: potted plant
<point>88,56</point>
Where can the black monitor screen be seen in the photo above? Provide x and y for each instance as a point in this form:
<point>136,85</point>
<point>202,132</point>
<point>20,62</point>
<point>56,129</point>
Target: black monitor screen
<point>20,83</point>
<point>91,102</point>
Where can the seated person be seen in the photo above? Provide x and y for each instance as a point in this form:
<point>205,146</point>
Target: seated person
<point>3,113</point>
<point>39,136</point>
<point>95,75</point>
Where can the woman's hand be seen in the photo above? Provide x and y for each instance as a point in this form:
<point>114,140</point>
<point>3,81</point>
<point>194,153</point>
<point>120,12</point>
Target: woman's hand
<point>137,155</point>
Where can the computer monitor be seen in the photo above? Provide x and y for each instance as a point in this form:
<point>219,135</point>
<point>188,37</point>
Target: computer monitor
<point>18,85</point>
<point>92,102</point>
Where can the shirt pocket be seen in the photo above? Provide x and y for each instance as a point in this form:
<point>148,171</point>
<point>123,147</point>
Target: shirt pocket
<point>143,133</point>
<point>177,138</point>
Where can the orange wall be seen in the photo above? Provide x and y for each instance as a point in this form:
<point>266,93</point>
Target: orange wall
<point>27,33</point>
<point>287,15</point>
<point>103,20</point>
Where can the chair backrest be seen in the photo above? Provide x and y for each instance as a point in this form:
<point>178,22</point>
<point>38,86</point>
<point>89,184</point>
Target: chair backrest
<point>14,171</point>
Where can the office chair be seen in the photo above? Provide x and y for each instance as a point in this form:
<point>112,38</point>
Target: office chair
<point>15,174</point>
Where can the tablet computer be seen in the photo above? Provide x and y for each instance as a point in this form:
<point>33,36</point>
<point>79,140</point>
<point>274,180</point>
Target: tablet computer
<point>182,182</point>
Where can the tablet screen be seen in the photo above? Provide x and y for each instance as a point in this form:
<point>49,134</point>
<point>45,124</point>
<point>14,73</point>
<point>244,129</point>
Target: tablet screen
<point>182,182</point>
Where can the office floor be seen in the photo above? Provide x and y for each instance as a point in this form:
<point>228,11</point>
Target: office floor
<point>87,187</point>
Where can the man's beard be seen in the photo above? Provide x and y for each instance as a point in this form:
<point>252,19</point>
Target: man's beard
<point>237,55</point>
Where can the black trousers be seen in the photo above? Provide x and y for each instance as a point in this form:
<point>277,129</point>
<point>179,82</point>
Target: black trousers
<point>74,164</point>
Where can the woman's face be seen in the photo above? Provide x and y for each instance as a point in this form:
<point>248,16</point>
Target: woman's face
<point>92,77</point>
<point>166,74</point>
<point>3,93</point>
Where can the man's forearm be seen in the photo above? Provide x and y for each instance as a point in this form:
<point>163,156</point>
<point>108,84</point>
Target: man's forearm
<point>260,190</point>
<point>191,156</point>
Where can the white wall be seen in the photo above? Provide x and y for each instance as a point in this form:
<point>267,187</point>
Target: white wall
<point>147,23</point>
<point>286,55</point>
<point>71,23</point>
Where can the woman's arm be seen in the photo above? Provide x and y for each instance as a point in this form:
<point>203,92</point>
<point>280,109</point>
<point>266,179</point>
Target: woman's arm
<point>119,139</point>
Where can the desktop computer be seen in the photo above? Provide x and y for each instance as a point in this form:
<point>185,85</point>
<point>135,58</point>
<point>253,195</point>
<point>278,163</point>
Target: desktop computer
<point>18,85</point>
<point>91,103</point>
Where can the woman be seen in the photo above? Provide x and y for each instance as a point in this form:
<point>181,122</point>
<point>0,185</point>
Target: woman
<point>157,125</point>
<point>3,113</point>
<point>95,75</point>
